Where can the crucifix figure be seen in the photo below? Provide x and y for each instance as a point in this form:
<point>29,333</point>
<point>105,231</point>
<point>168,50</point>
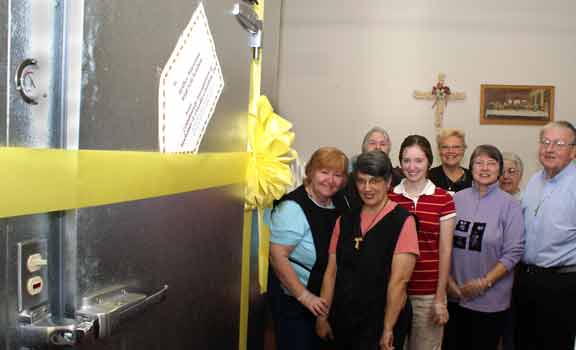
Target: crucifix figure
<point>441,94</point>
<point>357,242</point>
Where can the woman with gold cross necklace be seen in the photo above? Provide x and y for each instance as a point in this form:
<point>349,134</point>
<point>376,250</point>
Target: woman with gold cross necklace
<point>372,254</point>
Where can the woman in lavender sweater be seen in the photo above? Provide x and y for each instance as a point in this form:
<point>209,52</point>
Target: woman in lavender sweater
<point>488,242</point>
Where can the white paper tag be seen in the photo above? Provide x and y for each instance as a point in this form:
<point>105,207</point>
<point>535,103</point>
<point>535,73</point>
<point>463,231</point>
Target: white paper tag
<point>190,86</point>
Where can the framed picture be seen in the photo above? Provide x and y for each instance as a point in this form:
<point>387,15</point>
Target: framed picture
<point>516,104</point>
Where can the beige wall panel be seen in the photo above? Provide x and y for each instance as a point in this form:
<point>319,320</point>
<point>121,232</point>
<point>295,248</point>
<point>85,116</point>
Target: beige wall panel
<point>348,65</point>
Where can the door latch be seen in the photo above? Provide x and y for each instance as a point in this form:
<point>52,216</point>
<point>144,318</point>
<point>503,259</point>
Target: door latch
<point>28,81</point>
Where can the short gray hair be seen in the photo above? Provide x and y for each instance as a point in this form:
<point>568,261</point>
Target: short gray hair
<point>513,157</point>
<point>374,163</point>
<point>369,133</point>
<point>564,124</point>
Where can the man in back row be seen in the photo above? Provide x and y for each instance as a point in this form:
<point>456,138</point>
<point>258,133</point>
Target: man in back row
<point>546,283</point>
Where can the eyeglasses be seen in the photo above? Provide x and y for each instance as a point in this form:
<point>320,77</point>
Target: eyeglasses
<point>556,143</point>
<point>373,181</point>
<point>376,143</point>
<point>451,148</point>
<point>511,171</point>
<point>487,163</point>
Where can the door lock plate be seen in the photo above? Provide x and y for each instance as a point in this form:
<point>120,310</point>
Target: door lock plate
<point>32,283</point>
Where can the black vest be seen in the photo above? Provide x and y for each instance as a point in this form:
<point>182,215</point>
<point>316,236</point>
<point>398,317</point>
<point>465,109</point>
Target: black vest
<point>321,221</point>
<point>362,276</point>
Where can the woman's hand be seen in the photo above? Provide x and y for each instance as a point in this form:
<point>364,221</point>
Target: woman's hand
<point>387,340</point>
<point>317,306</point>
<point>440,313</point>
<point>474,288</point>
<point>323,329</point>
<point>454,290</point>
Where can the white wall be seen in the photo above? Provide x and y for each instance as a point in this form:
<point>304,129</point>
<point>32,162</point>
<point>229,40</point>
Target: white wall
<point>346,66</point>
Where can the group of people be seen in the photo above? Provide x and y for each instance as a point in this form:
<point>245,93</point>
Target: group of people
<point>371,256</point>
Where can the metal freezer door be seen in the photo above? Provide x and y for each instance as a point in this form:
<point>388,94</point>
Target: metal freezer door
<point>88,79</point>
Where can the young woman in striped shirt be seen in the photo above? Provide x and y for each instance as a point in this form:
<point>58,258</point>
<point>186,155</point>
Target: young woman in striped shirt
<point>435,212</point>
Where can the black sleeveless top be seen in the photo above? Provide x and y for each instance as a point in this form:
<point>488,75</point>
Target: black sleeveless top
<point>363,274</point>
<point>321,221</point>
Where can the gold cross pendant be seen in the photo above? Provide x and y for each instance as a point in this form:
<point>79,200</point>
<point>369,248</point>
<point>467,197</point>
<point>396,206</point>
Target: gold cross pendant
<point>357,242</point>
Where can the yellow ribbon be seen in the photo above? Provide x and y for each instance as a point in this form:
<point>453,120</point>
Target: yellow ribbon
<point>268,173</point>
<point>43,180</point>
<point>267,177</point>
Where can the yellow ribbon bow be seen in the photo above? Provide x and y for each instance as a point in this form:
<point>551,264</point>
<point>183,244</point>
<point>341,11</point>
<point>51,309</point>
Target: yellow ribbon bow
<point>268,173</point>
<point>269,145</point>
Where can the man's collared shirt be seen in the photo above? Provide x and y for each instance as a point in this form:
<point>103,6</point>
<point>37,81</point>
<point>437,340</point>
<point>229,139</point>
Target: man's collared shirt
<point>549,207</point>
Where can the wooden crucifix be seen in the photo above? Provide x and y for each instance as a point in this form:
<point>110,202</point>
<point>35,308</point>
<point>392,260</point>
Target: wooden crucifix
<point>441,94</point>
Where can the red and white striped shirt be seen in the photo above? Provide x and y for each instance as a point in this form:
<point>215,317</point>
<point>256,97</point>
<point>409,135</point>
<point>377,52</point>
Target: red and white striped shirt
<point>430,207</point>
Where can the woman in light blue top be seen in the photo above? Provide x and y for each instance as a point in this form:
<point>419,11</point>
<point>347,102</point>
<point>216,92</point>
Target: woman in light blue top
<point>301,226</point>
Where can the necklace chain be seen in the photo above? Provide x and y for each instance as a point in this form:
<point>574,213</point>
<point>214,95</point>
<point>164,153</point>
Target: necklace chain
<point>375,216</point>
<point>360,237</point>
<point>542,200</point>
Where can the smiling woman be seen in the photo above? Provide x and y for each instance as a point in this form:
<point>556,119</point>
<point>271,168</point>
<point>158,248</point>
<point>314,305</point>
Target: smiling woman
<point>376,139</point>
<point>512,174</point>
<point>301,224</point>
<point>450,175</point>
<point>434,208</point>
<point>485,171</point>
<point>372,254</point>
<point>488,243</point>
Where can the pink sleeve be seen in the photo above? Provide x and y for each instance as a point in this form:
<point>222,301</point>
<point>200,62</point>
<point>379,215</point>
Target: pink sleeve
<point>408,239</point>
<point>334,239</point>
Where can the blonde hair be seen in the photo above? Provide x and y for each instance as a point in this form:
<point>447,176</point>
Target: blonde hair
<point>449,132</point>
<point>326,158</point>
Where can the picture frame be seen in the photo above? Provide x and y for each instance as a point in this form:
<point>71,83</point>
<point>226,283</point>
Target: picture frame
<point>516,104</point>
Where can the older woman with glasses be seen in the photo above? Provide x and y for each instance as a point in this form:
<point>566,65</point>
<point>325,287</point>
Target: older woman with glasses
<point>512,175</point>
<point>510,183</point>
<point>450,175</point>
<point>372,254</point>
<point>377,139</point>
<point>488,243</point>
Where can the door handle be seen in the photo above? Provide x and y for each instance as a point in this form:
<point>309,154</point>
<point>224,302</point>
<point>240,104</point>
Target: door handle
<point>37,329</point>
<point>100,315</point>
<point>114,306</point>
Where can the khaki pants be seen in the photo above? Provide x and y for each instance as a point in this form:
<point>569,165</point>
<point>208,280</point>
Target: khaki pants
<point>425,334</point>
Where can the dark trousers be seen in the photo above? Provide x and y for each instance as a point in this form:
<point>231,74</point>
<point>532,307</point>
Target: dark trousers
<point>546,310</point>
<point>509,329</point>
<point>474,330</point>
<point>359,338</point>
<point>367,335</point>
<point>294,325</point>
